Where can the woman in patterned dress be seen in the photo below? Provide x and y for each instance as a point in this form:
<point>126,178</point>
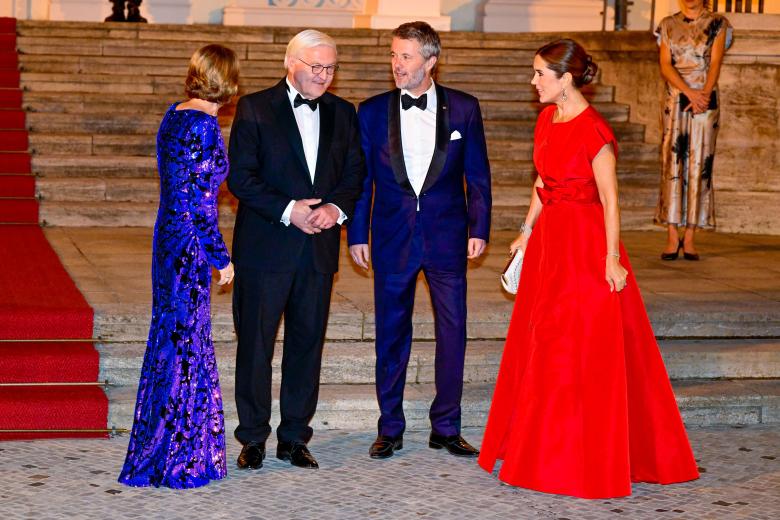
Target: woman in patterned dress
<point>178,437</point>
<point>692,43</point>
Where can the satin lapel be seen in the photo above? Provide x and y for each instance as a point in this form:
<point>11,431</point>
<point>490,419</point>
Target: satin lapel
<point>327,122</point>
<point>442,138</point>
<point>284,114</point>
<point>394,139</point>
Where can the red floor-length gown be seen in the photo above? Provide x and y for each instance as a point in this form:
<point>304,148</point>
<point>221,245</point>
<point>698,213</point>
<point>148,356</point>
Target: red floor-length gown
<point>583,405</point>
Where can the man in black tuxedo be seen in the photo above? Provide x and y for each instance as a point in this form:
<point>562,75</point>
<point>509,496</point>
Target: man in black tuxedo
<point>296,167</point>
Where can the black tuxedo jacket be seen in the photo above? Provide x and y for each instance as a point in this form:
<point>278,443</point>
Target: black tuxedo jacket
<point>268,169</point>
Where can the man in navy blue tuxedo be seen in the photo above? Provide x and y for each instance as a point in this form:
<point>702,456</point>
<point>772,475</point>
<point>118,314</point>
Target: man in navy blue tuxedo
<point>421,141</point>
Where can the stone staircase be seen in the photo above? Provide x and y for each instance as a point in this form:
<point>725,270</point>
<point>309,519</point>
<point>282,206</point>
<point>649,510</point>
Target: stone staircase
<point>95,94</point>
<point>715,381</point>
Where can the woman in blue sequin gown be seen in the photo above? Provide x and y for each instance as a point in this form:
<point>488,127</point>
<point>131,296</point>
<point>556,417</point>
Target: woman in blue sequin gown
<point>178,436</point>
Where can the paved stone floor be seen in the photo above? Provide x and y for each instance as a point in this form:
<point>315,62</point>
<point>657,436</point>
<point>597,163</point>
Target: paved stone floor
<point>61,479</point>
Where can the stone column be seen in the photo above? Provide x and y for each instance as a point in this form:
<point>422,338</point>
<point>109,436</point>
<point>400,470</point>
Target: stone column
<point>389,14</point>
<point>543,15</point>
<point>293,13</point>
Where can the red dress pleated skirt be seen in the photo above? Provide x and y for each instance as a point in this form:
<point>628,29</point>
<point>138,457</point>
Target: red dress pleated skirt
<point>583,405</point>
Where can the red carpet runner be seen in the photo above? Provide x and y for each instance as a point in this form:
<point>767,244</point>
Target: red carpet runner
<point>45,385</point>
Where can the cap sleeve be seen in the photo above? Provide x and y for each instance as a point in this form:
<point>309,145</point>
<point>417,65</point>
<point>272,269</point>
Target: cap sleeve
<point>597,136</point>
<point>718,24</point>
<point>661,32</point>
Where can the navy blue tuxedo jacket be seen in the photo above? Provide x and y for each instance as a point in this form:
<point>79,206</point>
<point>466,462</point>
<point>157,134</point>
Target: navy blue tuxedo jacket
<point>451,210</point>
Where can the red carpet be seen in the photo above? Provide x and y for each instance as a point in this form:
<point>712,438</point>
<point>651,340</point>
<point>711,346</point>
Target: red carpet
<point>10,97</point>
<point>13,141</point>
<point>33,361</point>
<point>39,300</point>
<point>18,211</point>
<point>17,185</point>
<point>56,407</point>
<point>40,305</point>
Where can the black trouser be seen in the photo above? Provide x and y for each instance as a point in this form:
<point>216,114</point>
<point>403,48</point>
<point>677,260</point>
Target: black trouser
<point>259,300</point>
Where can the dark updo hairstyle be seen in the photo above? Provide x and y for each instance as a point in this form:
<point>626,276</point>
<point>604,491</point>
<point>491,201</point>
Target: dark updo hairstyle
<point>562,56</point>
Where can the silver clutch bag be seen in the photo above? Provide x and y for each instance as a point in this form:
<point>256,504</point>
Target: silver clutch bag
<point>510,278</point>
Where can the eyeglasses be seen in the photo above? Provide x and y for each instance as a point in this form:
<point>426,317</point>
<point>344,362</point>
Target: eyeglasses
<point>330,70</point>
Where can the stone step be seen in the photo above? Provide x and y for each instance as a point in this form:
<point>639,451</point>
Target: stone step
<point>253,73</point>
<point>175,67</point>
<point>119,213</point>
<point>354,407</point>
<point>354,362</point>
<point>361,52</point>
<point>512,181</point>
<point>523,109</point>
<point>127,123</point>
<point>112,164</point>
<point>355,85</point>
<point>143,214</point>
<point>241,34</point>
<point>350,363</point>
<point>48,147</point>
<point>105,165</point>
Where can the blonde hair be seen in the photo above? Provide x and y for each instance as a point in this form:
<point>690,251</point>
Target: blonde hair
<point>213,74</point>
<point>307,39</point>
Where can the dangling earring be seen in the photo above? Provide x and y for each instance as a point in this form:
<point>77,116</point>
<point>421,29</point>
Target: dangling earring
<point>564,97</point>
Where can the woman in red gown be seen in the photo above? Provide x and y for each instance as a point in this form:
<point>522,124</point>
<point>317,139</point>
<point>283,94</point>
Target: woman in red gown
<point>583,405</point>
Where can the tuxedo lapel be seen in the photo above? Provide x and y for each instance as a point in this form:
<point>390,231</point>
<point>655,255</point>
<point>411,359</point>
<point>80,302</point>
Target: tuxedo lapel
<point>442,138</point>
<point>394,140</point>
<point>284,114</point>
<point>327,124</point>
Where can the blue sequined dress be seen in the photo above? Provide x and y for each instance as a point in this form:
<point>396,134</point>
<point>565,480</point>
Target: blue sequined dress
<point>178,436</point>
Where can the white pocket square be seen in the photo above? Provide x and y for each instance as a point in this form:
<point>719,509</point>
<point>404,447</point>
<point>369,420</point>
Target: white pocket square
<point>455,136</point>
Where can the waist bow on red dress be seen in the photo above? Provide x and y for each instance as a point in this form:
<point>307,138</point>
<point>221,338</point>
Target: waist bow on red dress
<point>583,192</point>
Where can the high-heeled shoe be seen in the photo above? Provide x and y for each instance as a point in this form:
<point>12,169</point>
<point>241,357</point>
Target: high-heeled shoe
<point>690,256</point>
<point>673,256</point>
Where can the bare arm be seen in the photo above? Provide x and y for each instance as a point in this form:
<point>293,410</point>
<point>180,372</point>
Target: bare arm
<point>531,217</point>
<point>716,60</point>
<point>668,71</point>
<point>606,181</point>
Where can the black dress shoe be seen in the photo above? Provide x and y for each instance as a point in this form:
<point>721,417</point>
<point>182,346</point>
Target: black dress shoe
<point>252,455</point>
<point>297,454</point>
<point>673,256</point>
<point>384,446</point>
<point>455,444</point>
<point>690,256</point>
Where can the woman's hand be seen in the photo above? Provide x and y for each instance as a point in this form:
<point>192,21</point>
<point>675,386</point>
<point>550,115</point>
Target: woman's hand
<point>519,243</point>
<point>616,274</point>
<point>226,274</point>
<point>699,101</point>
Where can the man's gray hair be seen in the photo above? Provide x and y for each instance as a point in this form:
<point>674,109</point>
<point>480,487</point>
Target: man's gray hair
<point>307,39</point>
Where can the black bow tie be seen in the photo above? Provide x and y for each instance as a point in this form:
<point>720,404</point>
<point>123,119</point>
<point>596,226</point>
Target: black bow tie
<point>299,100</point>
<point>408,102</point>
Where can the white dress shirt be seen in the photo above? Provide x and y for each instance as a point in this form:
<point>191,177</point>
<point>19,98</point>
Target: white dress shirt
<point>418,138</point>
<point>308,122</point>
